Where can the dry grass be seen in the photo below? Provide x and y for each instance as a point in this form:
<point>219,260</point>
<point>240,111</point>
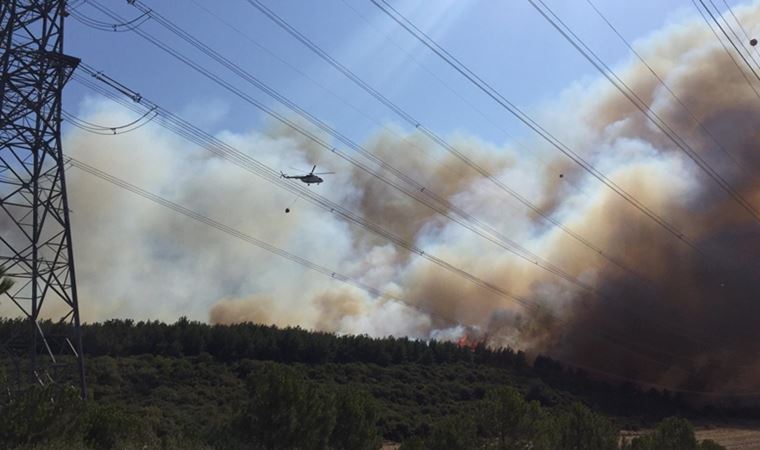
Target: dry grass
<point>733,437</point>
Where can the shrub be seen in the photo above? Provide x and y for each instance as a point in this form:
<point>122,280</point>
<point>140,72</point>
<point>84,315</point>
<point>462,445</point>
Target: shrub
<point>356,421</point>
<point>286,411</point>
<point>40,415</point>
<point>581,429</point>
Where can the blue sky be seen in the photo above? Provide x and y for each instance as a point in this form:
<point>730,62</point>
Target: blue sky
<point>507,42</point>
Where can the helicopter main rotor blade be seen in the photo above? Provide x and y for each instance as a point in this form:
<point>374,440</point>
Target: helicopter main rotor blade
<point>323,173</point>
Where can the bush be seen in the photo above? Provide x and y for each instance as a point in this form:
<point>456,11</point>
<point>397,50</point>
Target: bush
<point>356,422</point>
<point>453,433</point>
<point>108,427</point>
<point>415,443</point>
<point>579,428</point>
<point>674,433</point>
<point>285,411</point>
<point>709,444</point>
<point>515,423</point>
<point>39,415</point>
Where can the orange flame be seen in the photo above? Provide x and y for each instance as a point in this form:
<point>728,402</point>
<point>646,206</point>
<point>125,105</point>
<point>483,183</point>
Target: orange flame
<point>467,341</point>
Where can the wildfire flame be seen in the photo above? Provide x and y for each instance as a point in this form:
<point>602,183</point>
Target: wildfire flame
<point>468,341</point>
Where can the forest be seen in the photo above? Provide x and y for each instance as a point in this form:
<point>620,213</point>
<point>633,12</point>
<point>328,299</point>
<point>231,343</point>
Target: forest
<point>248,386</point>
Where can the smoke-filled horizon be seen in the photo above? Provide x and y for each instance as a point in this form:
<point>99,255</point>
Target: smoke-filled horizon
<point>684,319</point>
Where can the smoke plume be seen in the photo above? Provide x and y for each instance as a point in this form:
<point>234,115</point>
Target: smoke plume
<point>673,316</point>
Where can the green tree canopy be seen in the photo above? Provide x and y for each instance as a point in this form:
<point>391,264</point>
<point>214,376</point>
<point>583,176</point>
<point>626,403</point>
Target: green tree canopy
<point>356,421</point>
<point>674,433</point>
<point>515,423</point>
<point>286,411</point>
<point>581,429</point>
<point>453,433</point>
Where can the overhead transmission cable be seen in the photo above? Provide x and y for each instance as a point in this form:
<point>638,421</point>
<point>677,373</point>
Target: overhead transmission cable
<point>742,42</point>
<point>725,33</point>
<point>384,126</point>
<point>409,56</point>
<point>726,49</point>
<point>352,76</point>
<point>105,26</point>
<point>244,161</point>
<point>109,130</point>
<point>528,121</point>
<point>334,150</point>
<point>738,22</point>
<point>664,84</point>
<point>495,95</point>
<point>400,112</point>
<point>640,104</point>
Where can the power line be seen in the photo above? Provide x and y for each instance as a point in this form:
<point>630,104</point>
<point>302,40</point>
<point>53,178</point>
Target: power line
<point>411,57</point>
<point>506,104</point>
<point>723,30</point>
<point>352,76</point>
<point>348,73</point>
<point>665,85</point>
<point>108,130</point>
<point>733,31</point>
<point>530,123</point>
<point>105,26</point>
<point>311,79</point>
<point>640,104</point>
<point>728,52</point>
<point>738,22</point>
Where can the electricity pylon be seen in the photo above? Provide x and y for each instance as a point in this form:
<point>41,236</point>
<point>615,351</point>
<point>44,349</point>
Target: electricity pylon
<point>35,230</point>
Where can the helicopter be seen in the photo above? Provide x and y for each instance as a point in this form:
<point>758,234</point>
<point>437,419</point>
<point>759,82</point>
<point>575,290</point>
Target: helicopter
<point>310,178</point>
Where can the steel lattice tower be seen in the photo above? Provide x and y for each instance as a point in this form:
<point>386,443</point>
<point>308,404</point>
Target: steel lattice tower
<point>35,230</point>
